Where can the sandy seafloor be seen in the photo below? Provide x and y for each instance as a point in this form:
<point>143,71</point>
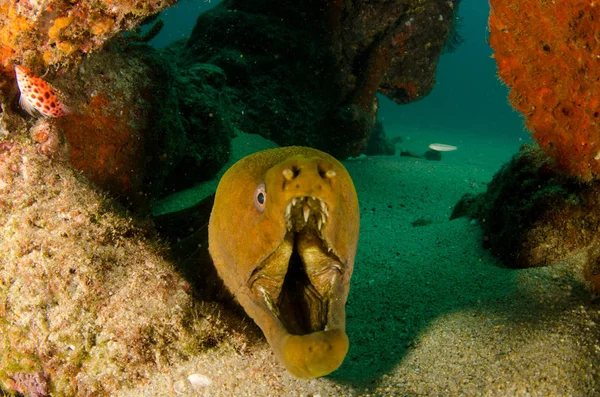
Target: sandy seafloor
<point>430,312</point>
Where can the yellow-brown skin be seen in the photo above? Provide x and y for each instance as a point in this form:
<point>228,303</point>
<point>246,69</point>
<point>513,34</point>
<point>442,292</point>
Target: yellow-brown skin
<point>251,244</point>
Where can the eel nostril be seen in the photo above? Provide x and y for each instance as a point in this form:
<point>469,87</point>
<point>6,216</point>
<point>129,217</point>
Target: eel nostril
<point>290,173</point>
<point>321,171</point>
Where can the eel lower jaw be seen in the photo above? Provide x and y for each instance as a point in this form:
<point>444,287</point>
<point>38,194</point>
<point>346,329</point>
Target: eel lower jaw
<point>307,353</point>
<point>323,349</point>
<point>301,290</point>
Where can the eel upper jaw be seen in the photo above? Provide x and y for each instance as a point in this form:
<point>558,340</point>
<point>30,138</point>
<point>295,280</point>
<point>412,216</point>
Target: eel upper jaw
<point>300,282</point>
<point>302,206</point>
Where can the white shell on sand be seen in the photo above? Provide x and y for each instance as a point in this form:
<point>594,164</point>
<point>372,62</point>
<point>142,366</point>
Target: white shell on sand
<point>440,147</point>
<point>199,381</point>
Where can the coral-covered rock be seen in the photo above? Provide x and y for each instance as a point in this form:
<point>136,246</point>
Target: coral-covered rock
<point>138,126</point>
<point>49,32</point>
<point>50,140</point>
<point>273,93</point>
<point>533,214</point>
<point>298,78</point>
<point>109,129</point>
<point>548,53</point>
<point>89,305</point>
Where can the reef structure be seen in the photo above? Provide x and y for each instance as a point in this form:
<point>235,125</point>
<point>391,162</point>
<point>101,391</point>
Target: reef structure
<point>548,53</point>
<point>349,51</point>
<point>127,129</point>
<point>137,126</point>
<point>56,32</point>
<point>132,133</point>
<point>534,214</point>
<point>89,304</point>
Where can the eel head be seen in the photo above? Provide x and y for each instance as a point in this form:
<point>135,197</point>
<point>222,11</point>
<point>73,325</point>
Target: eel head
<point>288,256</point>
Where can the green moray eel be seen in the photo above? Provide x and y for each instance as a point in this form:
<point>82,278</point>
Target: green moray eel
<point>283,234</point>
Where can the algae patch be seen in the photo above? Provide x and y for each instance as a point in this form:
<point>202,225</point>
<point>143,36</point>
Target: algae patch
<point>87,299</point>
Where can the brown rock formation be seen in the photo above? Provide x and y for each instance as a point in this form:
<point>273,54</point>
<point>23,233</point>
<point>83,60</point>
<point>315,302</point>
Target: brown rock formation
<point>306,73</point>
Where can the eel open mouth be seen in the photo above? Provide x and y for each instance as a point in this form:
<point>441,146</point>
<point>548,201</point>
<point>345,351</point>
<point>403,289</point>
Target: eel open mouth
<point>299,280</point>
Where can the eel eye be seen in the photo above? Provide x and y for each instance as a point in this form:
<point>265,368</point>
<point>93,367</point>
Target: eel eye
<point>260,197</point>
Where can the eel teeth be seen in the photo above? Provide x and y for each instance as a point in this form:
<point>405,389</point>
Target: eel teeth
<point>324,208</point>
<point>305,211</point>
<point>302,207</point>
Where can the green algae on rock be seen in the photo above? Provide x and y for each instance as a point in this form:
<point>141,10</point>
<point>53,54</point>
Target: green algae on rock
<point>87,300</point>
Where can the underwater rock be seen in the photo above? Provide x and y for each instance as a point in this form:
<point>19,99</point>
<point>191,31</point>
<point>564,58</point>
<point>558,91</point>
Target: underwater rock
<point>10,120</point>
<point>533,214</point>
<point>431,155</point>
<point>109,127</point>
<point>326,100</point>
<point>138,127</point>
<point>536,44</point>
<point>56,32</point>
<point>392,47</point>
<point>89,305</point>
<point>203,110</point>
<point>378,142</point>
<point>469,205</point>
<point>50,140</point>
<point>258,46</point>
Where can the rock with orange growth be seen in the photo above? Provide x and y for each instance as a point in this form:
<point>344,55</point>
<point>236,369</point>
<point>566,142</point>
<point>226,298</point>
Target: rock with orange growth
<point>101,135</point>
<point>110,121</point>
<point>138,126</point>
<point>390,46</point>
<point>548,53</point>
<point>49,32</point>
<point>106,142</point>
<point>128,130</point>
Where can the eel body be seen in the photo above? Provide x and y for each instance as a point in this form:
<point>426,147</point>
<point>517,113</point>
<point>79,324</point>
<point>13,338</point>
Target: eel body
<point>283,234</point>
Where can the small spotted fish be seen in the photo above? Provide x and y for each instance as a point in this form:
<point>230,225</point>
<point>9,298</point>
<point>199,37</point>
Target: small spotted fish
<point>37,94</point>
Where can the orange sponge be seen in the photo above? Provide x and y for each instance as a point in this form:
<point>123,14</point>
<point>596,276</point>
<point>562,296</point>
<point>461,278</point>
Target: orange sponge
<point>548,53</point>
